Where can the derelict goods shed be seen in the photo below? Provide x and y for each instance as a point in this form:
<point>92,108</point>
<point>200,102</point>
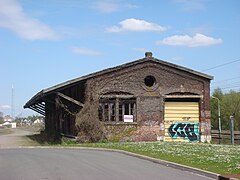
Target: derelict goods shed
<point>162,100</point>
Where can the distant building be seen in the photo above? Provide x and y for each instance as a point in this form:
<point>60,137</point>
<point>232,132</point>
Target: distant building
<point>6,123</point>
<point>7,118</point>
<point>38,122</point>
<point>162,100</point>
<point>9,124</point>
<point>14,125</point>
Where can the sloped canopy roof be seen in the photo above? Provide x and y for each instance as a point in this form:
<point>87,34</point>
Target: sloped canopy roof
<point>148,58</point>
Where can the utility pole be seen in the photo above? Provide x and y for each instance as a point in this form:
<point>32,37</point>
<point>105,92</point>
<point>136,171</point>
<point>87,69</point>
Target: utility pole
<point>219,120</point>
<point>232,122</point>
<point>12,104</point>
<point>232,128</point>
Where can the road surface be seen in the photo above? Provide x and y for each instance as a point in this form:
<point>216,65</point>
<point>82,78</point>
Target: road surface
<point>64,164</point>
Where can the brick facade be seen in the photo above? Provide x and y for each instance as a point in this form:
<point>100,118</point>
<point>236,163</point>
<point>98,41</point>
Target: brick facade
<point>150,100</point>
<point>130,81</point>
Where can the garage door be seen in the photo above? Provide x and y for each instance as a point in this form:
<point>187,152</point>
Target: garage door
<point>181,121</point>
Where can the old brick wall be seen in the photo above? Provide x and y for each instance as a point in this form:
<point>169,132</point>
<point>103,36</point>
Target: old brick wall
<point>205,114</point>
<point>150,100</point>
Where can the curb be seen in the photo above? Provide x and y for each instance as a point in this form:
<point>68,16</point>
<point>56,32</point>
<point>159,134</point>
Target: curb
<point>154,160</point>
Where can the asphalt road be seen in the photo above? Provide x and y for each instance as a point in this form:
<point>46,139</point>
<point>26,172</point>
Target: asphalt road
<point>70,164</point>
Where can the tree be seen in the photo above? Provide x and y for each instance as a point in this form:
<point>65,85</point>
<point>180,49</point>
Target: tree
<point>1,117</point>
<point>230,103</point>
<point>214,107</point>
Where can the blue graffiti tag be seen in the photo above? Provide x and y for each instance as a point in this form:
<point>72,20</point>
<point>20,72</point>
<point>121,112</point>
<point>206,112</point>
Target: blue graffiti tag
<point>184,130</point>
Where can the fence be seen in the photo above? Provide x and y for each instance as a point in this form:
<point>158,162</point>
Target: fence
<point>225,137</point>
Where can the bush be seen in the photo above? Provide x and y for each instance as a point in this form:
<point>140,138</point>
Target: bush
<point>89,128</point>
<point>90,131</point>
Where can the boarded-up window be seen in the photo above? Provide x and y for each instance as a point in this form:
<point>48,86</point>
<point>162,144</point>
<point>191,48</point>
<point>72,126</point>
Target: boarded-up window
<point>114,109</point>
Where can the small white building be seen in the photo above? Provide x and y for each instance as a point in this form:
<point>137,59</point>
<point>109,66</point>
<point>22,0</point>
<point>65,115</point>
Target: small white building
<point>14,125</point>
<point>9,124</point>
<point>7,119</point>
<point>38,121</point>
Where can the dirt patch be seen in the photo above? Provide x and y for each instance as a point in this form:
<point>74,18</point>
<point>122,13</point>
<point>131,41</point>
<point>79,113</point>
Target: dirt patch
<point>16,138</point>
<point>4,131</point>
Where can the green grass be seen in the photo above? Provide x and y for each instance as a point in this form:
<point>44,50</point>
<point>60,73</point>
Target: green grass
<point>222,159</point>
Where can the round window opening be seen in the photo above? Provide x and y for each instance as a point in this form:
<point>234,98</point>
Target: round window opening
<point>149,81</point>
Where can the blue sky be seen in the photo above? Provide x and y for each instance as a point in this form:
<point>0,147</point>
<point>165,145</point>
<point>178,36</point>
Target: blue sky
<point>43,43</point>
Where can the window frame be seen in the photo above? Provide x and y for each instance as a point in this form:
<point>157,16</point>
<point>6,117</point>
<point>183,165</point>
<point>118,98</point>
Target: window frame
<point>117,107</point>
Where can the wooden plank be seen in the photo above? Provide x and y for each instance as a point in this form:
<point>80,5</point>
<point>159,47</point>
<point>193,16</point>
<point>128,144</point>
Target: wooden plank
<point>39,107</point>
<point>70,99</point>
<point>41,104</point>
<point>37,110</point>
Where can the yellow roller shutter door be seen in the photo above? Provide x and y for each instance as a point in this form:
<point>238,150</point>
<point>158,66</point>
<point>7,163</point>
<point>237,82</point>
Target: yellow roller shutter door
<point>181,121</point>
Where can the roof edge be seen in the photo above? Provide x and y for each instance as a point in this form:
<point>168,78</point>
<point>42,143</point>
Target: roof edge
<point>111,69</point>
<point>148,58</point>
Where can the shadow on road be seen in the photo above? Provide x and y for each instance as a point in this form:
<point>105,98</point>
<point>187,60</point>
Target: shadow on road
<point>44,139</point>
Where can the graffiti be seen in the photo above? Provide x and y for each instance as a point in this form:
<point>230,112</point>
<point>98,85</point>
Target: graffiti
<point>184,130</point>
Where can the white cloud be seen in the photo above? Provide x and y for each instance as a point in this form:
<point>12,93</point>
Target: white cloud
<point>136,25</point>
<point>13,17</point>
<point>5,107</point>
<point>85,51</point>
<point>186,40</point>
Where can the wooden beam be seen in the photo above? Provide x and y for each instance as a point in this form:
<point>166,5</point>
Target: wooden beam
<point>39,106</point>
<point>37,110</point>
<point>35,107</point>
<point>117,110</point>
<point>70,99</point>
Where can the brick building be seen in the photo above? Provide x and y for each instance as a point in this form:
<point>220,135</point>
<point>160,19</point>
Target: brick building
<point>162,100</point>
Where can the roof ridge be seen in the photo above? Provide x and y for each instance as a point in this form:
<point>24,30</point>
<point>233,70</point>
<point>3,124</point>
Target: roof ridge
<point>148,58</point>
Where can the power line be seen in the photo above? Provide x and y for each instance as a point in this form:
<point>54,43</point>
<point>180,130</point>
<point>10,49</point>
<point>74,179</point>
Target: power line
<point>226,80</point>
<point>227,84</point>
<point>225,88</point>
<point>232,87</point>
<point>221,65</point>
